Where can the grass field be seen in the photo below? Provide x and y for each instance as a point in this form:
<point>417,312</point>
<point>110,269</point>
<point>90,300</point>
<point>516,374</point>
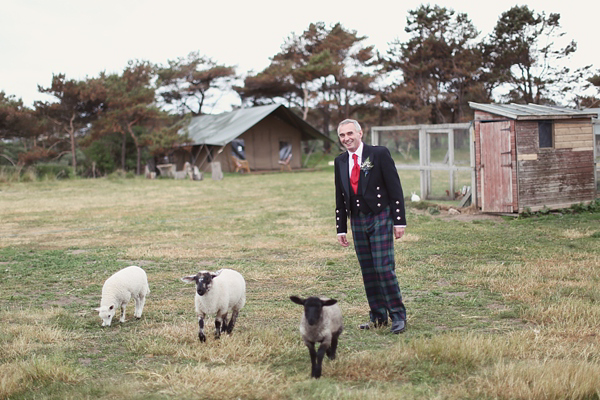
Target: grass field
<point>497,307</point>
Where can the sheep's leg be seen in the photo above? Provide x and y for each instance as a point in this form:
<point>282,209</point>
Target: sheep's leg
<point>234,316</point>
<point>201,334</point>
<point>313,359</point>
<point>224,326</point>
<point>217,327</point>
<point>122,319</point>
<point>320,354</point>
<point>139,306</point>
<point>332,349</point>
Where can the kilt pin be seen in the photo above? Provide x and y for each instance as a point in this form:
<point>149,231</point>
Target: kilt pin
<point>373,211</point>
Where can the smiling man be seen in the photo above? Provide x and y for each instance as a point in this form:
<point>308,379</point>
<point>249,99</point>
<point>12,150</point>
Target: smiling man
<point>368,191</point>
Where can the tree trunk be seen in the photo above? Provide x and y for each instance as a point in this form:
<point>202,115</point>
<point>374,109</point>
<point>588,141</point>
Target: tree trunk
<point>326,120</point>
<point>138,168</point>
<point>139,160</point>
<point>123,150</point>
<point>72,135</point>
<point>305,104</point>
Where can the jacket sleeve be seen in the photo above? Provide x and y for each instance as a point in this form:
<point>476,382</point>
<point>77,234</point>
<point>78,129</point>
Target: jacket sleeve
<point>394,187</point>
<point>341,210</point>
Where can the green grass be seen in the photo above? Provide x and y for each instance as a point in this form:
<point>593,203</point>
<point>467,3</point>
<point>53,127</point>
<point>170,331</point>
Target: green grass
<point>497,307</point>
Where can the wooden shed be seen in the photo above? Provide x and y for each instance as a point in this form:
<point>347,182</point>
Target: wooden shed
<point>528,157</point>
<point>267,137</point>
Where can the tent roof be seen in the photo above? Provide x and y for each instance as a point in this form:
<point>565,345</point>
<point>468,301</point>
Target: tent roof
<point>220,129</point>
<point>531,111</point>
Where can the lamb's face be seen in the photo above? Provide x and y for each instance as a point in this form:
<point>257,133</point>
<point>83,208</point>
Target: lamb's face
<point>203,282</point>
<point>107,314</point>
<point>313,308</point>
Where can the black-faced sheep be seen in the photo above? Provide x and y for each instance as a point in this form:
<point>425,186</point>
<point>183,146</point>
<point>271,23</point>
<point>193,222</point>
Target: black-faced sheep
<point>321,322</point>
<point>216,294</point>
<point>118,290</point>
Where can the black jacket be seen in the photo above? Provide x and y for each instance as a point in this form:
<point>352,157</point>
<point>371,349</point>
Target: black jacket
<point>379,186</point>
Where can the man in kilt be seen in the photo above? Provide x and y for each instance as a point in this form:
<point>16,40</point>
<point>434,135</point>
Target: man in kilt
<point>368,191</point>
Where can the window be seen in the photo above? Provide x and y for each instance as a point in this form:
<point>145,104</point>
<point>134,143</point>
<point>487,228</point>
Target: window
<point>545,134</point>
<point>285,152</point>
<point>238,149</point>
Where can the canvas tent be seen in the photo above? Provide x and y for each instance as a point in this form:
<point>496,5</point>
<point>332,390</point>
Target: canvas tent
<point>261,135</point>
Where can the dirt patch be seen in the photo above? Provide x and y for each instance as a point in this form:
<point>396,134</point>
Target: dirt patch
<point>472,217</point>
<point>75,252</point>
<point>450,213</point>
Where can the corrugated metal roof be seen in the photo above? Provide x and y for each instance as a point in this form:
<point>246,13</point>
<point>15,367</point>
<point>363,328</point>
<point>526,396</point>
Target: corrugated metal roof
<point>596,111</point>
<point>532,111</point>
<point>220,129</point>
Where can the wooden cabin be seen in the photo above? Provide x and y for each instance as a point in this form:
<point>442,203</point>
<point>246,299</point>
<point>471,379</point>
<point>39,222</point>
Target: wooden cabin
<point>528,157</point>
<point>261,138</point>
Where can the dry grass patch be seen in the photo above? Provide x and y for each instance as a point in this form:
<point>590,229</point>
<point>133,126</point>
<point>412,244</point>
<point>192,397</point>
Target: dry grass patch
<point>576,233</point>
<point>529,281</point>
<point>571,317</point>
<point>23,375</point>
<point>27,332</point>
<point>25,335</point>
<point>546,379</point>
<point>227,382</point>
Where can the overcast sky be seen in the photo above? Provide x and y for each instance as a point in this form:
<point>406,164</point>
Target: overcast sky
<point>39,38</point>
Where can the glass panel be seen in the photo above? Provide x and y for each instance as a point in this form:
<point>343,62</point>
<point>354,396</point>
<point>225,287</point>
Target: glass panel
<point>545,134</point>
<point>285,151</point>
<point>238,149</point>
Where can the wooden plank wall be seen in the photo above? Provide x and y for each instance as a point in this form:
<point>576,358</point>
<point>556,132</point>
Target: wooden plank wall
<point>262,143</point>
<point>576,135</point>
<point>555,177</point>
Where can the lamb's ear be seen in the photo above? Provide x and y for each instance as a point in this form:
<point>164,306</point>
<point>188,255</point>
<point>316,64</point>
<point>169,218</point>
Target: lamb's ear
<point>297,300</point>
<point>189,279</point>
<point>97,309</point>
<point>329,302</point>
<point>216,273</point>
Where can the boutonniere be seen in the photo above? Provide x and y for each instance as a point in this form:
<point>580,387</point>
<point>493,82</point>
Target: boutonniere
<point>366,165</point>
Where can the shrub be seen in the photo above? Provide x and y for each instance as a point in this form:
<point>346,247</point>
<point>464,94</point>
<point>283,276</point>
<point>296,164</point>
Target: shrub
<point>53,171</point>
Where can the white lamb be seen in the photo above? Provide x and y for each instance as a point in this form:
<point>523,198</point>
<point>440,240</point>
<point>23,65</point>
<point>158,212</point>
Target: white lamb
<point>118,290</point>
<point>216,294</point>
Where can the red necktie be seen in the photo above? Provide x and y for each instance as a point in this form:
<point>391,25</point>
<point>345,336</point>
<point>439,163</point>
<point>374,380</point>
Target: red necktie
<point>355,174</point>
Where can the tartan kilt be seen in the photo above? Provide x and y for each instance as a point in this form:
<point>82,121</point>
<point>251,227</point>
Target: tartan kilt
<point>373,237</point>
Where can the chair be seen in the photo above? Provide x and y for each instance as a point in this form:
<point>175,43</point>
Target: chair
<point>286,163</point>
<point>167,170</point>
<point>240,165</point>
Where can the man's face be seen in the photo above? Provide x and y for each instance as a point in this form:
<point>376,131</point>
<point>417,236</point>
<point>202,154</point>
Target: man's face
<point>349,137</point>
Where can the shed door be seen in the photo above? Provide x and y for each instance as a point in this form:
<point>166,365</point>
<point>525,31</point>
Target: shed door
<point>496,167</point>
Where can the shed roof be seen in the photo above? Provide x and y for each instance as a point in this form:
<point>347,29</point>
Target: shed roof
<point>532,111</point>
<point>220,129</point>
<point>595,111</point>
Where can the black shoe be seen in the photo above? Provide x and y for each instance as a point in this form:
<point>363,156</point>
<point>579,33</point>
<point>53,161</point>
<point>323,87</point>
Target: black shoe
<point>376,324</point>
<point>398,326</point>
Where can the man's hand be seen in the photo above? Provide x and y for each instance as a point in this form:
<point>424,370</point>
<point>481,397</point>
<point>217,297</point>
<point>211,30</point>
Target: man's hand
<point>398,232</point>
<point>342,240</point>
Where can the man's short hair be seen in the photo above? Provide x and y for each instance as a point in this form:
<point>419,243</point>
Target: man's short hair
<point>349,121</point>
